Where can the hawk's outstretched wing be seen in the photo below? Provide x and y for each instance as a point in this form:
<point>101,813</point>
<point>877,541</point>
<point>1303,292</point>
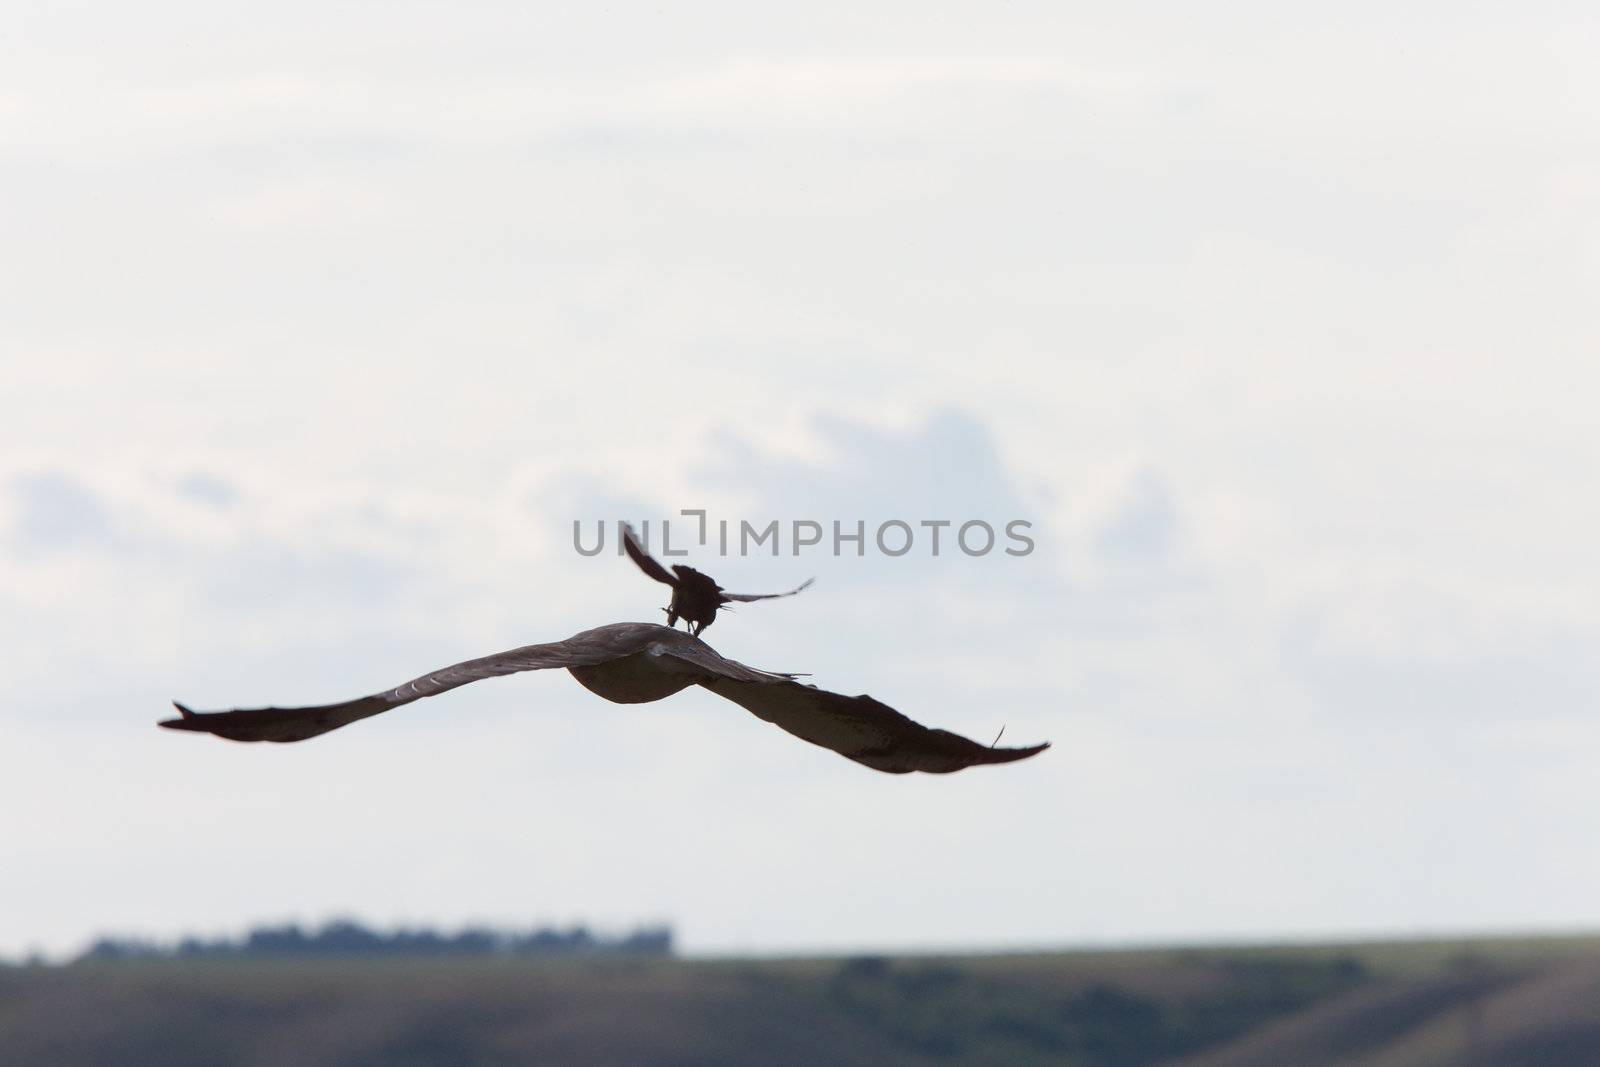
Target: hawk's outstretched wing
<point>861,728</point>
<point>595,646</point>
<point>633,662</point>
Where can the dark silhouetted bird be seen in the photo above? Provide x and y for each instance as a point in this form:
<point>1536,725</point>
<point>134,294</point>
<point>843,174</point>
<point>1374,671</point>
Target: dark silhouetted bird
<point>637,662</point>
<point>695,597</point>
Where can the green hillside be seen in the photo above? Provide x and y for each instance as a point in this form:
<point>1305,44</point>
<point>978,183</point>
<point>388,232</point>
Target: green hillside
<point>1501,1002</point>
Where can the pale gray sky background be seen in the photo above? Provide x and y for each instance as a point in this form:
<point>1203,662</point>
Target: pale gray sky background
<point>319,325</point>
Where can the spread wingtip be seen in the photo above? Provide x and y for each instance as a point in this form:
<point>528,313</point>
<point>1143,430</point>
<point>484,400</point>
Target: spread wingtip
<point>184,721</point>
<point>1011,755</point>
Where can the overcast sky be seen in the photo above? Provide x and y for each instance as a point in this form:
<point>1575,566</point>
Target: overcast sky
<point>320,325</point>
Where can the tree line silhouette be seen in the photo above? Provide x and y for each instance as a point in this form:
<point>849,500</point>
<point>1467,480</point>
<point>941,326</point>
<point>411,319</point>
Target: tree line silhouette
<point>345,937</point>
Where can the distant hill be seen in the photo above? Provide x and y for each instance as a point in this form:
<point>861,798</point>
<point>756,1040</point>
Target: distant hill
<point>1506,1003</point>
<point>349,939</point>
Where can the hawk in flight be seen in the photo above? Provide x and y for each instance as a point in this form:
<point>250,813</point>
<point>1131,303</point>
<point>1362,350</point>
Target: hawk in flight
<point>637,662</point>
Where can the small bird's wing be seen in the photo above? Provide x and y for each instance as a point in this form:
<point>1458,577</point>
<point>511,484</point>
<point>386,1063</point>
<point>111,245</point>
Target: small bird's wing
<point>296,724</point>
<point>645,561</point>
<point>745,597</point>
<point>858,728</point>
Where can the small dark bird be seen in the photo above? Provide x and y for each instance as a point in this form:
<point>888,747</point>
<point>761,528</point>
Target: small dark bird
<point>695,597</point>
<point>638,662</point>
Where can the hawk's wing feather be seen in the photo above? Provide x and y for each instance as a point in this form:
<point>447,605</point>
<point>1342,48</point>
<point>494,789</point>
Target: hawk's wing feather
<point>711,664</point>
